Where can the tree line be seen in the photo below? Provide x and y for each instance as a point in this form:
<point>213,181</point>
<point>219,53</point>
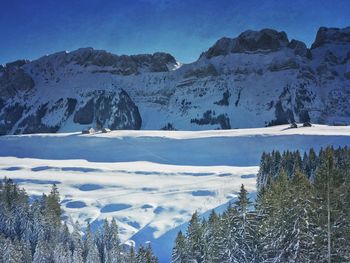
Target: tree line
<point>301,214</point>
<point>33,231</point>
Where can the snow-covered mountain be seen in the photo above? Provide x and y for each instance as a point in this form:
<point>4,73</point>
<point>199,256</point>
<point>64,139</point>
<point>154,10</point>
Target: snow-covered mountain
<point>256,79</point>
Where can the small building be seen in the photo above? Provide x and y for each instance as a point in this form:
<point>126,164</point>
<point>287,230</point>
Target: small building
<point>88,131</point>
<point>105,130</point>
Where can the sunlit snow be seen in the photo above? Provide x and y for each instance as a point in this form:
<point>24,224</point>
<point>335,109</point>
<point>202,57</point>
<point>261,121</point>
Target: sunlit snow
<point>150,181</point>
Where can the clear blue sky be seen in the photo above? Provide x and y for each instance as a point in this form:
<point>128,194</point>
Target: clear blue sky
<point>184,28</point>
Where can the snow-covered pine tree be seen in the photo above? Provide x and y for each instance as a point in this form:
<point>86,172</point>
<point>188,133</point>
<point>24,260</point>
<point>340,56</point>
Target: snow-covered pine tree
<point>329,181</point>
<point>180,250</point>
<point>76,244</point>
<point>301,230</point>
<point>78,254</point>
<point>90,248</point>
<point>33,232</point>
<point>264,171</point>
<point>131,255</point>
<point>229,235</point>
<point>25,248</point>
<point>43,253</point>
<point>53,207</point>
<point>113,244</point>
<point>195,240</point>
<point>246,232</point>
<point>62,254</point>
<point>272,208</point>
<point>145,255</point>
<point>12,252</point>
<point>213,239</point>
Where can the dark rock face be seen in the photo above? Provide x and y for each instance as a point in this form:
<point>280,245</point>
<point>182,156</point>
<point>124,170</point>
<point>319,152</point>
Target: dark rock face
<point>283,65</point>
<point>303,98</point>
<point>122,65</point>
<point>111,110</point>
<point>203,72</point>
<point>108,109</point>
<point>127,115</point>
<point>85,115</point>
<point>168,127</point>
<point>331,35</point>
<point>299,48</point>
<point>33,124</point>
<point>221,48</point>
<point>210,118</point>
<point>13,79</point>
<point>249,41</point>
<point>283,116</point>
<point>10,115</point>
<point>266,39</point>
<point>304,116</point>
<point>225,99</point>
<point>287,107</point>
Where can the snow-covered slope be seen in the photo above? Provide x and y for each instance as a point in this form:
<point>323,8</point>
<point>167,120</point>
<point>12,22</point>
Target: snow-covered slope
<point>255,79</point>
<point>150,181</point>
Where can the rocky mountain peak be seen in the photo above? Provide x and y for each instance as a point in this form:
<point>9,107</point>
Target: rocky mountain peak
<point>249,41</point>
<point>331,35</point>
<point>13,79</point>
<point>157,62</point>
<point>117,64</point>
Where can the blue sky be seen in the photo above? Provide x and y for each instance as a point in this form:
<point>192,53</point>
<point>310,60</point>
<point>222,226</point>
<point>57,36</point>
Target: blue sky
<point>32,28</point>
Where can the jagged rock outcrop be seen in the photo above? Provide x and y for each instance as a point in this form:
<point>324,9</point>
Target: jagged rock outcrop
<point>109,109</point>
<point>249,41</point>
<point>13,79</point>
<point>331,36</point>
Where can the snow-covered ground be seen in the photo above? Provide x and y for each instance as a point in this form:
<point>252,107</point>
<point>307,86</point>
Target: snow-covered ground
<point>150,181</point>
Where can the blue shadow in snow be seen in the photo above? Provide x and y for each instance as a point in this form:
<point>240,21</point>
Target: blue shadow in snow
<point>203,193</point>
<point>114,207</point>
<point>13,168</point>
<point>75,204</point>
<point>89,187</point>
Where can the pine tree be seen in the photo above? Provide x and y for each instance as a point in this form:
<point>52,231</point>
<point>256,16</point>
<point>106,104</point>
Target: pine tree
<point>92,254</point>
<point>245,229</point>
<point>62,254</point>
<point>273,204</point>
<point>77,254</point>
<point>25,248</point>
<point>145,255</point>
<point>91,251</point>
<point>195,239</point>
<point>53,206</point>
<point>131,256</point>
<point>329,182</point>
<point>33,232</point>
<point>213,239</point>
<point>300,229</point>
<point>230,250</point>
<point>12,252</point>
<point>180,251</point>
<point>43,253</point>
<point>77,244</point>
<point>114,251</point>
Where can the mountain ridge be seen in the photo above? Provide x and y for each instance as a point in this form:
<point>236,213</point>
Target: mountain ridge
<point>256,79</point>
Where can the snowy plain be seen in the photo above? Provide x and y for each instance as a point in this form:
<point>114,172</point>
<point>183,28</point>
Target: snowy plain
<point>150,181</point>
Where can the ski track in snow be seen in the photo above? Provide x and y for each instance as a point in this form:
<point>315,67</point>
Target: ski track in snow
<point>150,181</point>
